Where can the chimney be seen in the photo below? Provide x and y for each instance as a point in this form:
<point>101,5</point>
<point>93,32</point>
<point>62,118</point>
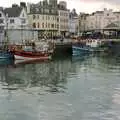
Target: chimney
<point>23,4</point>
<point>1,8</point>
<point>14,5</point>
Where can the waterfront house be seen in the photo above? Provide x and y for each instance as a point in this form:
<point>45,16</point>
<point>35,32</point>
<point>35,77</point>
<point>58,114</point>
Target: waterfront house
<point>16,17</point>
<point>16,24</point>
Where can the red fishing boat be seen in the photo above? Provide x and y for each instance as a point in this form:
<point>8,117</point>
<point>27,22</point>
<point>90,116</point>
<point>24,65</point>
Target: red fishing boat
<point>25,55</point>
<point>32,51</point>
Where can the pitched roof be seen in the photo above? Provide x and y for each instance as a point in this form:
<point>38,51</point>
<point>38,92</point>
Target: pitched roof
<point>13,12</point>
<point>112,25</point>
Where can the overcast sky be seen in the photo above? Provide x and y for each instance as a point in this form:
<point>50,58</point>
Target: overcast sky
<point>80,5</point>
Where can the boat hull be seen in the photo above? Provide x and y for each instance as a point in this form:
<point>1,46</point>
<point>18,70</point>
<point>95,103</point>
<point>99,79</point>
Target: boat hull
<point>18,57</point>
<point>76,50</point>
<point>6,55</point>
<point>31,56</point>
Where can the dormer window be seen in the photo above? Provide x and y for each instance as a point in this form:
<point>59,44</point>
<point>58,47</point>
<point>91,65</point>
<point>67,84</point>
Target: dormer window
<point>1,21</point>
<point>12,21</point>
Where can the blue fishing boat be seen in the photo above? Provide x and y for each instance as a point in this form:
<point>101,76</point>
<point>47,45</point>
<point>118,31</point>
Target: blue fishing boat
<point>6,55</point>
<point>6,62</point>
<point>86,47</point>
<point>4,52</point>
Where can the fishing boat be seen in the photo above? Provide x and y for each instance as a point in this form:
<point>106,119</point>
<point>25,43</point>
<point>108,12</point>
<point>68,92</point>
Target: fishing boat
<point>6,62</point>
<point>87,46</point>
<point>4,52</point>
<point>23,55</point>
<point>32,51</point>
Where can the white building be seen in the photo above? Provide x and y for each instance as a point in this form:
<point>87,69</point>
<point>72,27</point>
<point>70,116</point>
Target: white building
<point>83,22</point>
<point>99,19</point>
<point>16,17</point>
<point>63,14</point>
<point>14,21</point>
<point>73,23</point>
<point>43,17</point>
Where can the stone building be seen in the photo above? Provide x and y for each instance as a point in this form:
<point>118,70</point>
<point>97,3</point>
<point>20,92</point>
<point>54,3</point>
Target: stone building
<point>73,22</point>
<point>98,20</point>
<point>48,18</point>
<point>63,14</point>
<point>43,17</point>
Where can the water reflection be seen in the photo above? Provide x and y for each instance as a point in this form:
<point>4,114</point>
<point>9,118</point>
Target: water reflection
<point>85,88</point>
<point>51,75</point>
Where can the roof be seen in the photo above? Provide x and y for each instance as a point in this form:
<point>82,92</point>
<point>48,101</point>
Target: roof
<point>97,12</point>
<point>13,12</point>
<point>61,7</point>
<point>112,25</point>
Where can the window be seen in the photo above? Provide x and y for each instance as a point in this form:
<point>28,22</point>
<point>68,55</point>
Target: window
<point>48,25</point>
<point>52,25</point>
<point>57,26</point>
<point>57,19</point>
<point>108,14</point>
<point>42,25</point>
<point>34,25</point>
<point>12,21</point>
<point>1,21</point>
<point>23,21</point>
<point>38,25</point>
<point>0,15</point>
<point>33,17</point>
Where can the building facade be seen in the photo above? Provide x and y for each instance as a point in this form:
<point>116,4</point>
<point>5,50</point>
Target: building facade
<point>83,22</point>
<point>14,25</point>
<point>63,14</point>
<point>43,17</point>
<point>16,17</point>
<point>73,23</point>
<point>98,20</point>
<point>48,18</point>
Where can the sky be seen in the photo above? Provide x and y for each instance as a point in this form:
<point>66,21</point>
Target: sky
<point>87,6</point>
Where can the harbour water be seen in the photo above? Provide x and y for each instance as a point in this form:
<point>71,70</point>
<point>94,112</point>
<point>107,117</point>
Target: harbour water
<point>76,88</point>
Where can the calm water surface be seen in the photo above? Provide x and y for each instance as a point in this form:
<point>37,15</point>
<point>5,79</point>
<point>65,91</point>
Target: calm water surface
<point>84,88</point>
